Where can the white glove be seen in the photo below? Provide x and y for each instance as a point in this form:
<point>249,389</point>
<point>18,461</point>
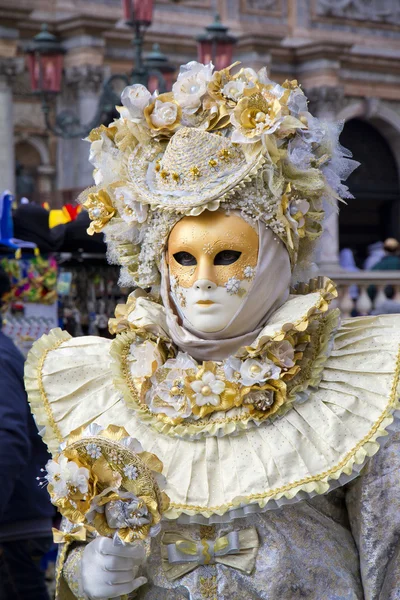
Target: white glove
<point>110,571</point>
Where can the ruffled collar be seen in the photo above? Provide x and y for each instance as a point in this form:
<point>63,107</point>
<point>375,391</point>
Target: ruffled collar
<point>316,445</point>
<point>182,397</point>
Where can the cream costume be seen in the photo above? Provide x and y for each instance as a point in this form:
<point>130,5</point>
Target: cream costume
<point>274,421</point>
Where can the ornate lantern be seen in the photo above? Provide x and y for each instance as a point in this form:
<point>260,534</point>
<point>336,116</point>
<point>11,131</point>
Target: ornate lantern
<point>216,45</point>
<point>138,11</point>
<point>158,64</point>
<point>45,62</point>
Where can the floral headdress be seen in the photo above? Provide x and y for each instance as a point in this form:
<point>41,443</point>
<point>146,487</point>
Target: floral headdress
<point>218,140</point>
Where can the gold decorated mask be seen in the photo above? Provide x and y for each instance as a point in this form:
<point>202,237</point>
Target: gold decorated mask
<point>212,261</point>
<point>212,246</point>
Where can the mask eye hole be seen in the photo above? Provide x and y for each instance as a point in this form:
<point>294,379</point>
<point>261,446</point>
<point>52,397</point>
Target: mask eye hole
<point>185,259</point>
<point>227,257</point>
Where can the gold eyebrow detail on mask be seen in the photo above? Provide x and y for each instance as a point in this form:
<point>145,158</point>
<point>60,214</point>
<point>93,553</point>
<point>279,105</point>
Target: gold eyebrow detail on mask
<point>204,237</point>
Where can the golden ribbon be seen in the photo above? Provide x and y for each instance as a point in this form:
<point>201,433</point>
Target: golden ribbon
<point>75,535</point>
<point>240,555</point>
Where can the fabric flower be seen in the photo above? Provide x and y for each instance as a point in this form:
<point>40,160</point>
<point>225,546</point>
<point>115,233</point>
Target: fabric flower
<point>93,450</point>
<point>283,353</point>
<point>168,392</point>
<point>253,372</point>
<point>208,389</point>
<point>130,511</point>
<point>164,114</point>
<point>232,369</point>
<point>100,209</point>
<point>255,115</point>
<point>143,359</point>
<point>65,475</point>
<point>191,85</point>
<point>131,472</point>
<point>262,400</point>
<point>233,285</point>
<point>233,89</point>
<point>128,207</point>
<point>136,98</point>
<point>249,272</point>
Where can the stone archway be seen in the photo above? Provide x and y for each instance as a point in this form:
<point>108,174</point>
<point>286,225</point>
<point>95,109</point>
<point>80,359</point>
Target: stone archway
<point>372,133</point>
<point>34,172</point>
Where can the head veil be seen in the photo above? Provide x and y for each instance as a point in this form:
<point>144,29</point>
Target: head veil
<point>270,290</point>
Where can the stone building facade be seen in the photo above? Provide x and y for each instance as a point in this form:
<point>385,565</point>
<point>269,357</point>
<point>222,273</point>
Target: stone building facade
<point>345,53</point>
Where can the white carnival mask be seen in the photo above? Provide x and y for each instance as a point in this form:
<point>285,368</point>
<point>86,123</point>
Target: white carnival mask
<point>212,261</point>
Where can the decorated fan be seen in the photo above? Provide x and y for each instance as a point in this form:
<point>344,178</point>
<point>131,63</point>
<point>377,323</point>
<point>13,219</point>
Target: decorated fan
<point>103,481</point>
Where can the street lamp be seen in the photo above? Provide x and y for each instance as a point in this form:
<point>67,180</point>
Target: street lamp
<point>157,62</point>
<point>216,45</point>
<point>45,60</point>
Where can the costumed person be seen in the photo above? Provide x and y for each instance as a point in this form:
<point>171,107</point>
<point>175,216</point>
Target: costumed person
<point>228,365</point>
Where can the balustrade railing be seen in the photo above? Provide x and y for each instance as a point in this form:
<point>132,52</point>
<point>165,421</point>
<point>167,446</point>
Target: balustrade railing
<point>367,292</point>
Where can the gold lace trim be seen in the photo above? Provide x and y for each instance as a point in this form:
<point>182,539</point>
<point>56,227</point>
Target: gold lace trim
<point>42,391</point>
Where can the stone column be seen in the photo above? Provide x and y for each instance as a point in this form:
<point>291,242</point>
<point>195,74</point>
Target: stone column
<point>9,67</point>
<point>325,102</point>
<point>81,97</point>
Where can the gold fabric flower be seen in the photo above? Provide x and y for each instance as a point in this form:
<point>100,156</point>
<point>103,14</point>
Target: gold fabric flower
<point>164,114</point>
<point>254,115</point>
<point>100,209</point>
<point>276,390</point>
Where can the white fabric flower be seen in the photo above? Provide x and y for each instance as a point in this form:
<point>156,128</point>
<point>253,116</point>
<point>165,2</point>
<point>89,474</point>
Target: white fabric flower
<point>131,472</point>
<point>93,450</point>
<point>249,272</point>
<point>66,474</point>
<point>295,214</point>
<point>233,89</point>
<point>297,102</point>
<point>208,389</point>
<point>164,114</point>
<point>128,512</point>
<point>254,371</point>
<point>232,369</point>
<point>191,85</point>
<point>170,390</point>
<point>135,98</point>
<point>142,358</point>
<point>106,159</point>
<point>283,352</point>
<point>233,285</point>
<point>128,207</point>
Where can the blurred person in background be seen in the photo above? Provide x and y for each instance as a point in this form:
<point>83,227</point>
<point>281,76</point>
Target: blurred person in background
<point>348,263</point>
<point>25,511</point>
<point>391,260</point>
<point>375,252</point>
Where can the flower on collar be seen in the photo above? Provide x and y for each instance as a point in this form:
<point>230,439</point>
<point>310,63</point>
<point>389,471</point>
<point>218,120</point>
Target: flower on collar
<point>208,389</point>
<point>168,394</point>
<point>282,353</point>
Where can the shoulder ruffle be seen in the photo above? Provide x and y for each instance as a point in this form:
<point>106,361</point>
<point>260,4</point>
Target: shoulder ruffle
<point>317,444</point>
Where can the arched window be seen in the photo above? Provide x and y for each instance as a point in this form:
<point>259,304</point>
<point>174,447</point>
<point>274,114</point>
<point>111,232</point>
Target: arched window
<point>374,214</point>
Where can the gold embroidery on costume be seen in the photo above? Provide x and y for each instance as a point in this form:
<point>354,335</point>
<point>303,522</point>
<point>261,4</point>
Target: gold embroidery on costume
<point>208,587</point>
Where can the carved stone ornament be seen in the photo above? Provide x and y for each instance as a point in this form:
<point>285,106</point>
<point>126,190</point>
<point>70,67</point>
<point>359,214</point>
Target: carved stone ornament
<point>380,11</point>
<point>84,77</point>
<point>10,67</point>
<point>261,6</point>
<point>325,100</point>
